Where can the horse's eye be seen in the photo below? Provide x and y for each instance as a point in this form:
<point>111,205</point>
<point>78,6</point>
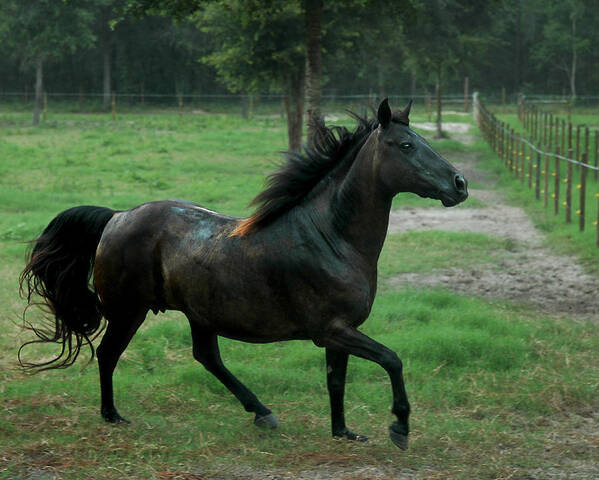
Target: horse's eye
<point>405,146</point>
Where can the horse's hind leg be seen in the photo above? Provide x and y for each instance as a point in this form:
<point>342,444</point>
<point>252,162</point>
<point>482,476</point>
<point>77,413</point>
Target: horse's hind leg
<point>205,351</point>
<point>118,334</point>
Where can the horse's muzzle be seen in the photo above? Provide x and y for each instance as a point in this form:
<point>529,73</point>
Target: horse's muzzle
<point>459,194</point>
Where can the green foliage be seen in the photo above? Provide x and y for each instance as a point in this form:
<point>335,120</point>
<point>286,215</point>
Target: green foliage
<point>45,29</point>
<point>255,49</point>
<point>444,34</point>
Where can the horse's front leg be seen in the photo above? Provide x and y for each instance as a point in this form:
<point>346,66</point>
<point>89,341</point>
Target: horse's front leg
<point>345,339</point>
<point>336,372</point>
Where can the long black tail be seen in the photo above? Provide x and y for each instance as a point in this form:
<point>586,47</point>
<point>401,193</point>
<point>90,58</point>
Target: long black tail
<point>59,271</point>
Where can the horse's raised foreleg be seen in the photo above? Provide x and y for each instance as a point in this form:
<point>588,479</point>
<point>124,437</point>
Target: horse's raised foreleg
<point>336,371</point>
<point>118,334</point>
<point>348,340</point>
<point>206,351</point>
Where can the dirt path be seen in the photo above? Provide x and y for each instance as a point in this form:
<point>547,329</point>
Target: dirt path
<point>528,272</point>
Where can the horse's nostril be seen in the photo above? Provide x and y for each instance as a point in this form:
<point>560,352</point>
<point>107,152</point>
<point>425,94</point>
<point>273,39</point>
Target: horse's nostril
<point>460,183</point>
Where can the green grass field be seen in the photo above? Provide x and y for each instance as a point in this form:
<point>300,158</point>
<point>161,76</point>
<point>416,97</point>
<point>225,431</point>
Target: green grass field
<point>496,389</point>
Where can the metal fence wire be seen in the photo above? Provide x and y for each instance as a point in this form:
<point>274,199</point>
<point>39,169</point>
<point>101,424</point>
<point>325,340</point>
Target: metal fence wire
<point>539,159</point>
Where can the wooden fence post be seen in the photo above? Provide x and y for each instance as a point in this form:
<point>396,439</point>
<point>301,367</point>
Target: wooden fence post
<point>550,142</point>
<point>523,159</point>
<point>563,147</point>
<point>596,151</point>
<point>556,131</point>
<point>502,142</point>
<point>597,221</point>
<point>538,176</point>
<point>583,192</point>
<point>569,189</point>
<point>569,139</point>
<point>557,182</point>
<point>546,180</point>
<point>530,163</point>
<point>45,110</point>
<point>427,101</point>
<point>512,149</point>
<point>466,95</point>
<point>518,155</point>
<point>520,106</point>
<point>586,142</point>
<point>577,157</point>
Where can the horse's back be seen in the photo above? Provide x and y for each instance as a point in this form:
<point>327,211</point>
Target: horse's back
<point>138,246</point>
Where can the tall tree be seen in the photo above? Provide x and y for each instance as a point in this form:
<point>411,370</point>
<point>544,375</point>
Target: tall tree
<point>107,11</point>
<point>259,48</point>
<point>566,35</point>
<point>312,15</point>
<point>41,30</point>
<point>439,39</point>
<point>313,19</point>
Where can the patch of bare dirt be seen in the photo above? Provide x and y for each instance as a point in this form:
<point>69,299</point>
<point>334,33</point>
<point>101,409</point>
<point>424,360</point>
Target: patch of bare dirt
<point>528,272</point>
<point>460,131</point>
<point>321,472</point>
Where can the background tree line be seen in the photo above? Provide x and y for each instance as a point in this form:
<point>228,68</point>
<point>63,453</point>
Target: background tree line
<point>251,46</point>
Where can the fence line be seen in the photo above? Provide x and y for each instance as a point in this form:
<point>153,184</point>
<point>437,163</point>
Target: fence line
<point>248,104</point>
<point>516,151</point>
<point>280,96</point>
<point>531,116</point>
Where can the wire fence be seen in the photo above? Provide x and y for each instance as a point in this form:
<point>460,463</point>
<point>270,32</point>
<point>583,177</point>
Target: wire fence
<point>246,105</point>
<point>539,159</point>
<point>547,127</point>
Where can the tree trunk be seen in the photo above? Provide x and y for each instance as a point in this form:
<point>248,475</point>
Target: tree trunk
<point>439,106</point>
<point>106,78</point>
<point>573,69</point>
<point>381,80</point>
<point>39,78</point>
<point>294,106</point>
<point>518,73</point>
<point>244,106</point>
<point>313,62</point>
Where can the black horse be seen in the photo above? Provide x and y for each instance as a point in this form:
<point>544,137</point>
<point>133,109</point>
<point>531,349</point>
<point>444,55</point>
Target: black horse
<point>303,266</point>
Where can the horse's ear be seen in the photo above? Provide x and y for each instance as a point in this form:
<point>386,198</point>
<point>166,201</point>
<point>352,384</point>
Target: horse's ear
<point>406,111</point>
<point>404,114</point>
<point>384,113</point>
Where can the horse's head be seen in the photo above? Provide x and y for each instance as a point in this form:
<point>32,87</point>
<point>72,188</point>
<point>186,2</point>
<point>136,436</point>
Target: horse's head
<point>407,163</point>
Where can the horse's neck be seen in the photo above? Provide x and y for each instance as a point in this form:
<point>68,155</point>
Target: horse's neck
<point>360,209</point>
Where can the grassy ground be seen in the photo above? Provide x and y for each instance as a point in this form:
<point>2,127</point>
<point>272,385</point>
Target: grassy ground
<point>495,388</point>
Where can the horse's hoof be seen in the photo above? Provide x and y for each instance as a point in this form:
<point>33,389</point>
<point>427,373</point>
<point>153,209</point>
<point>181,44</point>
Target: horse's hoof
<point>399,439</point>
<point>350,435</point>
<point>112,416</point>
<point>266,421</point>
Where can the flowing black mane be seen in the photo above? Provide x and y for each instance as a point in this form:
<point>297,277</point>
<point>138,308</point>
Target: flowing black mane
<point>299,175</point>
